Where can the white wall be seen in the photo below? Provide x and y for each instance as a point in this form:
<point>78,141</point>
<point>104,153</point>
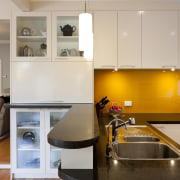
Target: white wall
<point>5,9</point>
<point>5,57</point>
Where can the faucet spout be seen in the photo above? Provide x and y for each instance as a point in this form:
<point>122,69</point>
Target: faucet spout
<point>116,120</point>
<point>108,149</point>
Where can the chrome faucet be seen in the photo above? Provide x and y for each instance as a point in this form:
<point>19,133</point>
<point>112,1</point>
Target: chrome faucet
<point>114,129</point>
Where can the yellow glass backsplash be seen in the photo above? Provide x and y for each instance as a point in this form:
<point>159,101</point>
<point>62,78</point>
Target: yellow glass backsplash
<point>150,91</point>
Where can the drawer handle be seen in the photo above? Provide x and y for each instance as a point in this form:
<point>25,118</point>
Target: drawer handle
<point>108,66</point>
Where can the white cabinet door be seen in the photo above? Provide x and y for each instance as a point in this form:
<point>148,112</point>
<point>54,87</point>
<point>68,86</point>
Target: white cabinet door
<point>105,39</point>
<point>31,36</point>
<point>65,45</point>
<point>47,82</point>
<point>53,154</point>
<point>129,40</point>
<point>159,39</point>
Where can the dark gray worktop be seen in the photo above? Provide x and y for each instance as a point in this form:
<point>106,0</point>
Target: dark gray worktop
<point>43,105</point>
<point>77,129</point>
<point>108,169</point>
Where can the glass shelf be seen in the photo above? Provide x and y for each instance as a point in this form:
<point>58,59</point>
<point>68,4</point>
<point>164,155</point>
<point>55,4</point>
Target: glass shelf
<point>68,38</point>
<point>31,38</point>
<point>28,127</point>
<point>24,146</point>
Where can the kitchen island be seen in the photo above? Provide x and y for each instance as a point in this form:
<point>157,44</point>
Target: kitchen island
<point>68,134</point>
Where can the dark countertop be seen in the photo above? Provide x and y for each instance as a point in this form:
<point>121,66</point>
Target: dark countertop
<point>77,129</point>
<point>41,105</point>
<point>106,169</point>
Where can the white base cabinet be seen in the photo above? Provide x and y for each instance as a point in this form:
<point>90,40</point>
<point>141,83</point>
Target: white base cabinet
<point>31,155</point>
<point>77,158</point>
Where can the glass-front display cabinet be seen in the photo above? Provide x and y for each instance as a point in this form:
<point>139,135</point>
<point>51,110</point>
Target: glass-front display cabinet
<point>66,36</point>
<point>26,141</point>
<point>31,154</point>
<point>31,36</point>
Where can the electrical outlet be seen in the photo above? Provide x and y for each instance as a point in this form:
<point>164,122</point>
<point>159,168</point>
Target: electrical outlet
<point>127,103</point>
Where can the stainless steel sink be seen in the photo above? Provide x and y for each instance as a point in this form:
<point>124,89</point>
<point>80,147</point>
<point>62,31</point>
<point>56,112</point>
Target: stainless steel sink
<point>141,139</point>
<point>142,150</point>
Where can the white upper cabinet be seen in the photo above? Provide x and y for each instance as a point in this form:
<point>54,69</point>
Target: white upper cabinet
<point>65,36</point>
<point>129,39</point>
<point>160,39</point>
<point>105,39</point>
<point>31,36</point>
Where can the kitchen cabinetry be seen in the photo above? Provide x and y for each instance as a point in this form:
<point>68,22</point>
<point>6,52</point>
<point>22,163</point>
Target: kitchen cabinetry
<point>160,39</point>
<point>145,39</point>
<point>31,155</point>
<point>31,36</point>
<point>105,39</point>
<point>66,36</point>
<point>117,41</point>
<point>47,82</point>
<point>129,39</point>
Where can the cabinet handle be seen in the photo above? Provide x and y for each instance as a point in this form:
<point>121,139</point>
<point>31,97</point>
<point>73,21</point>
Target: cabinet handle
<point>4,76</point>
<point>127,66</point>
<point>63,58</point>
<point>51,101</point>
<point>169,66</point>
<point>108,66</point>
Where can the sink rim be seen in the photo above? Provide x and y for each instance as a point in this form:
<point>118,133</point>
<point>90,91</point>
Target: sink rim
<point>116,157</point>
<point>151,137</point>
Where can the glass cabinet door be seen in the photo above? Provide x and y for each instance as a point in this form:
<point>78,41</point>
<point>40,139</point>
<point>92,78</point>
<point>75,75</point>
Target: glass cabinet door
<point>28,139</point>
<point>66,36</point>
<point>31,37</point>
<point>54,153</point>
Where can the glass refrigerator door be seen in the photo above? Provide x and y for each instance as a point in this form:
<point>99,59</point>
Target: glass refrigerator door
<point>55,152</point>
<point>28,139</point>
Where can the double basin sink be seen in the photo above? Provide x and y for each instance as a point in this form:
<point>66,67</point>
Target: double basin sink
<point>143,147</point>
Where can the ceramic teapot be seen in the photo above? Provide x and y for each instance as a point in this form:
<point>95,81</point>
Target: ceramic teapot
<point>68,30</point>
